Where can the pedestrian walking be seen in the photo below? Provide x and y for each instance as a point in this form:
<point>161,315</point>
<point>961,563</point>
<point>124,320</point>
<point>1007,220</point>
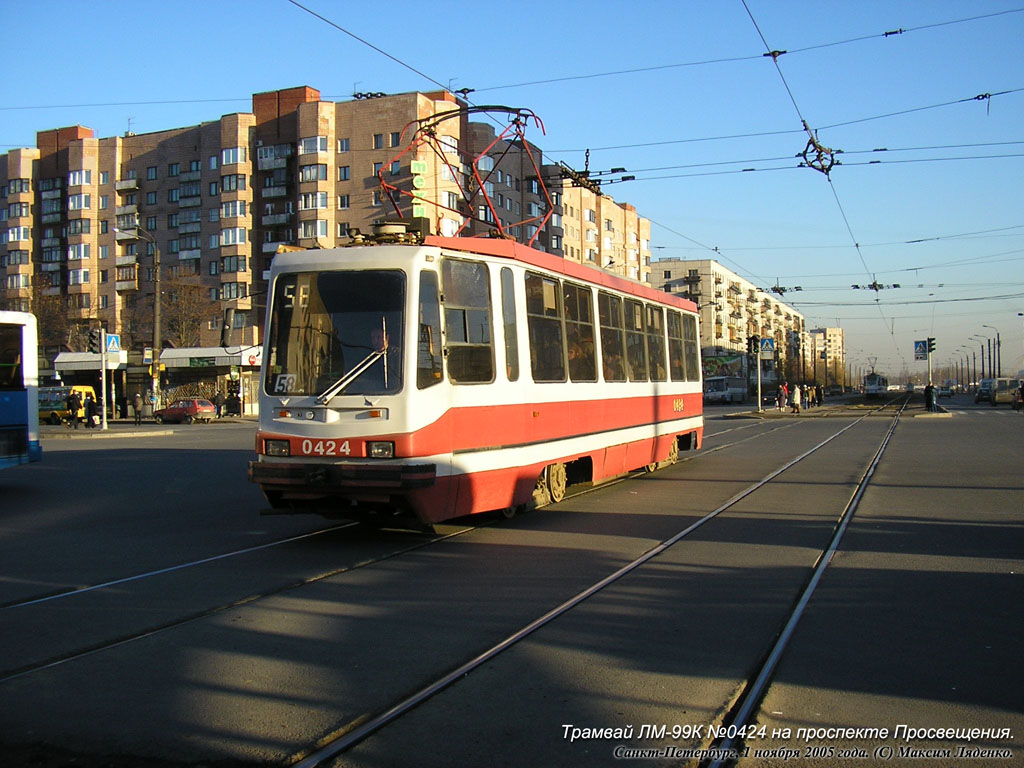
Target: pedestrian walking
<point>90,410</point>
<point>74,405</point>
<point>795,398</point>
<point>218,402</point>
<point>137,405</point>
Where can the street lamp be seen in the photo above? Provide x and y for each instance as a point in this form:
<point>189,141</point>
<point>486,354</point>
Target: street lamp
<point>144,234</point>
<point>982,339</point>
<point>999,353</point>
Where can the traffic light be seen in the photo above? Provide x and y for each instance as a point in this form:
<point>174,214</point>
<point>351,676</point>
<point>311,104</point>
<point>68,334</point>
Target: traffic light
<point>94,340</point>
<point>931,345</point>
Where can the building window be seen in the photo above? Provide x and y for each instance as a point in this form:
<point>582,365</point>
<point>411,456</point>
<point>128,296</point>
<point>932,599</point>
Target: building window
<point>233,155</point>
<point>230,210</point>
<point>343,145</point>
<point>312,200</point>
<point>79,202</point>
<point>174,169</point>
<point>78,178</point>
<point>151,173</point>
<point>343,202</point>
<point>344,173</point>
<point>313,173</point>
<point>396,138</point>
<point>230,291</point>
<point>232,183</point>
<point>378,141</point>
<point>312,145</point>
<point>316,228</point>
<point>232,236</point>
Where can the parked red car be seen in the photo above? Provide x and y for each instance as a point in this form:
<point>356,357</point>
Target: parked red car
<point>188,410</point>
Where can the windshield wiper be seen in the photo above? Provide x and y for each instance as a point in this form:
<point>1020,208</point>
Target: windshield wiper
<point>355,373</point>
<point>349,377</point>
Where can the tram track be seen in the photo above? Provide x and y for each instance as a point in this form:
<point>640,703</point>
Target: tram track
<point>110,643</point>
<point>359,729</point>
<point>346,736</point>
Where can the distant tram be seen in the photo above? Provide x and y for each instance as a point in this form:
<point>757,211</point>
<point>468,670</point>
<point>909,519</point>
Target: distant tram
<point>464,375</point>
<point>19,382</point>
<point>875,384</point>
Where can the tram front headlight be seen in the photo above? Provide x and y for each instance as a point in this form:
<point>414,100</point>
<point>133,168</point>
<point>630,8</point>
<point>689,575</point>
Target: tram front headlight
<point>380,449</point>
<point>277,448</point>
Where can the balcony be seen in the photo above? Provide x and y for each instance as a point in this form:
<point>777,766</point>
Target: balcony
<point>127,285</point>
<point>275,219</point>
<point>126,261</point>
<point>190,202</point>
<point>126,210</point>
<point>190,228</point>
<point>271,163</point>
<point>192,253</point>
<point>275,191</point>
<point>126,185</point>
<point>124,235</point>
<point>190,176</point>
<point>272,247</point>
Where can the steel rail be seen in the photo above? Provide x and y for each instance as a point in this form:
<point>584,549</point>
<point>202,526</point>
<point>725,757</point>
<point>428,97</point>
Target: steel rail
<point>17,672</point>
<point>356,731</point>
<point>169,569</point>
<point>750,699</point>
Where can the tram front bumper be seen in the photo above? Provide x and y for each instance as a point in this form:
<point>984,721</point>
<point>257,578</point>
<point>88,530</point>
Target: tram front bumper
<point>284,476</point>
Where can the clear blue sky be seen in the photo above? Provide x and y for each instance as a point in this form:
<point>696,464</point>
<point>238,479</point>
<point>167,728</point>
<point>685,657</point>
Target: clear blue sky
<point>949,231</point>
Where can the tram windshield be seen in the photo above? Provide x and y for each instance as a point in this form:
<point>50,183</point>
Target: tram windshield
<point>335,333</point>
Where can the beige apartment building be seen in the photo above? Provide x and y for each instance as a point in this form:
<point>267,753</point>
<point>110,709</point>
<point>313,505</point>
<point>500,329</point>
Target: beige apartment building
<point>733,310</point>
<point>91,229</point>
<point>824,357</point>
<point>601,232</point>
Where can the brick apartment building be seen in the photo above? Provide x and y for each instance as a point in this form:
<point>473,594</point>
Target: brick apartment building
<point>85,221</point>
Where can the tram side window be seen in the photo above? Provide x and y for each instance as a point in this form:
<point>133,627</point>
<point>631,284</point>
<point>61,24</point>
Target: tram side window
<point>676,364</point>
<point>467,320</point>
<point>508,319</point>
<point>613,338</point>
<point>656,342</point>
<point>579,332</point>
<point>544,321</point>
<point>636,345</point>
<point>428,348</point>
<point>692,353</point>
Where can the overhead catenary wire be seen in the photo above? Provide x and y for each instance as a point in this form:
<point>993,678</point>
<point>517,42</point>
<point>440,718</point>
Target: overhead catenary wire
<point>825,159</point>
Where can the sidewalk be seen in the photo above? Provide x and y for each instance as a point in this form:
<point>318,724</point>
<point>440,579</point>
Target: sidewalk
<point>126,428</point>
<point>915,409</point>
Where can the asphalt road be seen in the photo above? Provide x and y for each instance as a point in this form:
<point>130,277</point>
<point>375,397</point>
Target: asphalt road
<point>253,657</point>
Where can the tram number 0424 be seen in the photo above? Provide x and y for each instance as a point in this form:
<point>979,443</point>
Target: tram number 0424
<point>325,448</point>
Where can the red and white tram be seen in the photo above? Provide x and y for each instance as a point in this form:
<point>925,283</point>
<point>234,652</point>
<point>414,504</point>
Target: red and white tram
<point>463,375</point>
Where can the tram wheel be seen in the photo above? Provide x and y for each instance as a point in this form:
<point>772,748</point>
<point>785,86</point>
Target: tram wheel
<point>557,481</point>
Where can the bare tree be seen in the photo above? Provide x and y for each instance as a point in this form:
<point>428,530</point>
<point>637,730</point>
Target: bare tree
<point>186,308</point>
<point>56,331</point>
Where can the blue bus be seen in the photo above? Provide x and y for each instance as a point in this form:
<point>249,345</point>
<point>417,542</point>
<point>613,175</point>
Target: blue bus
<point>19,384</point>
